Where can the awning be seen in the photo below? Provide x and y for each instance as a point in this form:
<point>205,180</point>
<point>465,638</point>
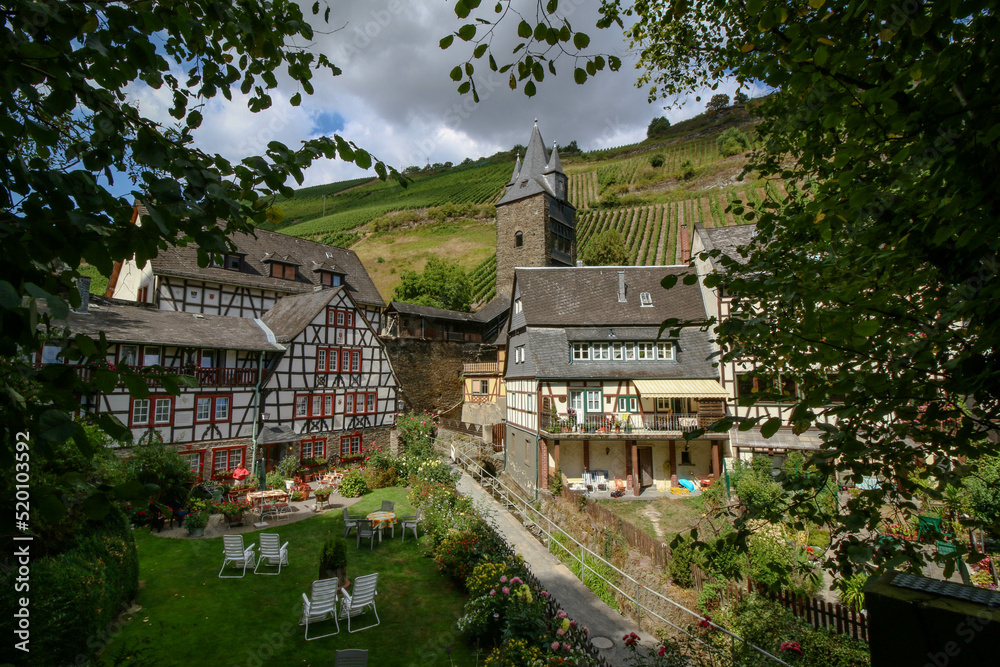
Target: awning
<point>680,388</point>
<point>783,439</point>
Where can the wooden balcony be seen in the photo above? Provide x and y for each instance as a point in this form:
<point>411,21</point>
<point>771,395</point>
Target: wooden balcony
<point>611,427</point>
<point>482,368</point>
<point>207,377</point>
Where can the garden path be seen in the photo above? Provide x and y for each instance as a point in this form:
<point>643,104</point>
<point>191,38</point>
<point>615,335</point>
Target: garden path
<point>572,595</point>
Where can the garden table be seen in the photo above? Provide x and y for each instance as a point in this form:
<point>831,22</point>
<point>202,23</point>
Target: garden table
<point>263,496</point>
<point>380,520</point>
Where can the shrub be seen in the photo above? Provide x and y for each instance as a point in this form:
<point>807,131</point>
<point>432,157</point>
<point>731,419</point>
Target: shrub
<point>687,170</point>
<point>517,653</point>
<point>657,160</point>
<point>509,610</point>
<point>710,596</point>
<point>332,557</point>
<point>416,433</point>
<point>354,485</point>
<point>555,483</point>
<point>77,594</point>
<point>460,551</point>
<point>380,478</point>
<point>434,471</point>
<point>682,556</point>
<point>732,142</point>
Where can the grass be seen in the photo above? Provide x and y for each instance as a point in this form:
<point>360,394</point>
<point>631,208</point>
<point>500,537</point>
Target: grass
<point>190,616</point>
<point>676,516</point>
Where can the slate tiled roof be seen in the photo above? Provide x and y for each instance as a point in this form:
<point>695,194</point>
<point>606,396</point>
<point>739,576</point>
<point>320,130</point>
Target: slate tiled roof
<point>124,323</point>
<point>290,315</point>
<point>490,311</point>
<point>725,239</point>
<point>588,296</point>
<point>529,180</point>
<point>182,262</point>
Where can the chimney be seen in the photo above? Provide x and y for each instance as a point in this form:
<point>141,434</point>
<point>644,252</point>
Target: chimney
<point>83,286</point>
<point>621,286</point>
<point>685,244</point>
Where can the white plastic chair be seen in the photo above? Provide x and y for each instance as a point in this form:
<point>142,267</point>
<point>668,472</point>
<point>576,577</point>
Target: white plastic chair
<point>351,657</point>
<point>362,598</point>
<point>350,521</point>
<point>410,523</point>
<point>321,605</point>
<point>236,554</point>
<point>272,553</point>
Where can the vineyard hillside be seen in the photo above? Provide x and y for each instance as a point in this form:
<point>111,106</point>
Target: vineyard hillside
<point>646,191</point>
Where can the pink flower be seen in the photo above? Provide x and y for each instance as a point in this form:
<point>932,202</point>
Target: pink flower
<point>516,580</point>
<point>561,614</point>
<point>573,623</point>
<point>503,579</point>
<point>545,593</point>
<point>555,646</point>
<point>493,591</point>
<point>560,632</point>
<point>791,646</point>
<point>505,590</point>
<point>565,646</point>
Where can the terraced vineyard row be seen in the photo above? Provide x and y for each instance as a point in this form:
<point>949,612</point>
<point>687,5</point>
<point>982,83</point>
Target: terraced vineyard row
<point>483,279</point>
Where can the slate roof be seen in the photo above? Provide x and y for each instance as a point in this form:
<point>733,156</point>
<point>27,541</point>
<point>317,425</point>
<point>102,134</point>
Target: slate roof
<point>562,305</point>
<point>529,180</point>
<point>490,311</point>
<point>125,323</point>
<point>588,296</point>
<point>725,239</point>
<point>182,262</point>
<point>291,314</point>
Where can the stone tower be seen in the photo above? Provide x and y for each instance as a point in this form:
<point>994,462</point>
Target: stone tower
<point>536,224</point>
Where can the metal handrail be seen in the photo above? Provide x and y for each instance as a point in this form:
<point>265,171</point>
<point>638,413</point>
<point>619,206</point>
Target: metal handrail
<point>467,462</point>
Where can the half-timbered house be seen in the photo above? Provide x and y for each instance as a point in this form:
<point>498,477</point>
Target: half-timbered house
<point>593,387</point>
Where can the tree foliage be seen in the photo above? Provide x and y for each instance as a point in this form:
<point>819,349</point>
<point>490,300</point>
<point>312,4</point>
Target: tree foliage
<point>606,249</point>
<point>874,283</point>
<point>442,284</point>
<point>658,128</point>
<point>718,102</point>
<point>732,142</point>
<point>72,130</point>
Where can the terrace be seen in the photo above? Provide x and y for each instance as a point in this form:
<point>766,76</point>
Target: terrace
<point>207,377</point>
<point>612,427</point>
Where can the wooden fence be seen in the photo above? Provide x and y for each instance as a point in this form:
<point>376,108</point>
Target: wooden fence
<point>820,614</point>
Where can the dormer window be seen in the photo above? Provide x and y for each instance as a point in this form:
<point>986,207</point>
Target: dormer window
<point>284,271</point>
<point>645,300</point>
<point>329,279</point>
<point>227,261</point>
<point>517,305</point>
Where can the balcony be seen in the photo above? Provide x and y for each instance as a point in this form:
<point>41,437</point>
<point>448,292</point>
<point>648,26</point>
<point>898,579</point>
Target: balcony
<point>481,368</point>
<point>207,377</point>
<point>613,428</point>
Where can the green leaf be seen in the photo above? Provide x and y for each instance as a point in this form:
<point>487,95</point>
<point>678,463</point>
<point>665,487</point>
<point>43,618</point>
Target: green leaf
<point>56,426</point>
<point>446,41</point>
<point>668,281</point>
<point>464,88</point>
<point>524,30</point>
<point>480,50</point>
<point>754,6</point>
<point>581,40</point>
<point>9,297</point>
<point>866,328</point>
<point>467,31</point>
<point>552,6</point>
<point>462,9</point>
<point>296,99</point>
<point>541,30</point>
<point>456,74</point>
<point>529,89</point>
<point>770,427</point>
<point>691,279</point>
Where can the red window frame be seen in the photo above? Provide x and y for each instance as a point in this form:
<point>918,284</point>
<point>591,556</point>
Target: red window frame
<point>352,441</point>
<point>366,397</point>
<point>151,411</point>
<point>140,354</point>
<point>229,462</point>
<point>340,318</point>
<point>326,404</point>
<point>313,444</point>
<point>212,418</point>
<point>349,361</point>
<point>331,362</point>
<point>201,459</point>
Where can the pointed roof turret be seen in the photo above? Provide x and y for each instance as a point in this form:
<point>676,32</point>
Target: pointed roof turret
<point>529,177</point>
<point>517,170</point>
<point>555,165</point>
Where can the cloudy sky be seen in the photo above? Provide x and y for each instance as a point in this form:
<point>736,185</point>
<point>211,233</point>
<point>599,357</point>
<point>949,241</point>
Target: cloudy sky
<point>395,97</point>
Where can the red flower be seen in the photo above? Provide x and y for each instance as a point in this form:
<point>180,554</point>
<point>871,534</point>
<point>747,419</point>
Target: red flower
<point>791,646</point>
<point>706,622</point>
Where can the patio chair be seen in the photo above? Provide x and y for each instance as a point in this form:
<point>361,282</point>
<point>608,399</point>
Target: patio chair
<point>388,506</point>
<point>351,657</point>
<point>600,480</point>
<point>350,521</point>
<point>272,553</point>
<point>588,481</point>
<point>410,523</point>
<point>929,525</point>
<point>945,548</point>
<point>366,531</point>
<point>362,598</point>
<point>236,554</point>
<point>282,509</point>
<point>268,509</point>
<point>321,605</point>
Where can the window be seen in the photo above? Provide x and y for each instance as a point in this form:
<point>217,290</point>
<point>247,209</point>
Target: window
<point>336,317</point>
<point>50,354</point>
<point>601,351</point>
<point>151,356</point>
<point>284,271</point>
<point>581,351</point>
<point>647,351</point>
<point>519,354</point>
<point>193,461</point>
<point>645,300</point>
<point>207,359</point>
<point>562,236</point>
<point>628,404</point>
<point>326,360</point>
<point>685,457</point>
<point>629,349</point>
<point>672,405</point>
<point>313,406</point>
<point>518,239</point>
<point>314,448</point>
<point>665,351</point>
<point>576,401</point>
<point>594,401</point>
<point>350,361</point>
<point>748,384</point>
<point>212,409</point>
<point>360,403</point>
<point>350,445</point>
<point>128,355</point>
<point>616,352</point>
<point>481,387</point>
<point>517,305</point>
<point>233,262</point>
<point>227,459</point>
<point>159,408</point>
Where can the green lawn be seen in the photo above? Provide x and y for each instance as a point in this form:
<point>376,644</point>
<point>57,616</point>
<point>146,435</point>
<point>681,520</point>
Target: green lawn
<point>676,515</point>
<point>191,617</point>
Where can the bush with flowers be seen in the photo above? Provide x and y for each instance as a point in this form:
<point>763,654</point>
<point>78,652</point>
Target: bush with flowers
<point>460,551</point>
<point>510,609</point>
<point>354,484</point>
<point>416,433</point>
<point>666,654</point>
<point>233,508</point>
<point>517,653</point>
<point>137,516</point>
<point>435,471</point>
<point>442,511</point>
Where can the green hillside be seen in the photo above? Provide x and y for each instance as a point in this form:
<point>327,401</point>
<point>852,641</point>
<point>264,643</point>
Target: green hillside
<point>645,190</point>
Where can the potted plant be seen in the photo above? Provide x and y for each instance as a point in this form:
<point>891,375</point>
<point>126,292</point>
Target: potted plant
<point>196,522</point>
<point>333,560</point>
<point>233,510</point>
<point>323,493</point>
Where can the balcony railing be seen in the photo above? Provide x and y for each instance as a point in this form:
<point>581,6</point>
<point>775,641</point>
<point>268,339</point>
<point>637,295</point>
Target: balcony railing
<point>207,377</point>
<point>612,425</point>
<point>481,368</point>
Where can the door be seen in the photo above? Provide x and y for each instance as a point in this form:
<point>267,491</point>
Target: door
<point>645,466</point>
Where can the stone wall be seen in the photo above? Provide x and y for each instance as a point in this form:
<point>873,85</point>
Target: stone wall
<point>530,217</point>
<point>430,372</point>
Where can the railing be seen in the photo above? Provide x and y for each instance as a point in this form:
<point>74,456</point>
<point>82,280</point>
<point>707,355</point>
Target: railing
<point>439,334</point>
<point>481,368</point>
<point>543,526</point>
<point>612,425</point>
<point>207,377</point>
